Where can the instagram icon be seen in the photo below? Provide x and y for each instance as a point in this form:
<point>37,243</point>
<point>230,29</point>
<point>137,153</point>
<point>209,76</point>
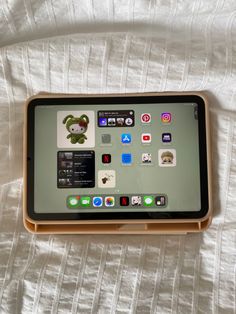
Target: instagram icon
<point>166,117</point>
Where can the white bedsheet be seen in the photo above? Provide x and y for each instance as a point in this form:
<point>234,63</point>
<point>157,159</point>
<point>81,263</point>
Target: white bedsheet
<point>94,46</point>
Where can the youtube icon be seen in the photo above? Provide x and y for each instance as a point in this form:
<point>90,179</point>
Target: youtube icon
<point>146,138</point>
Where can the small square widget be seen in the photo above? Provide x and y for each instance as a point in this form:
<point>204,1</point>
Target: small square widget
<point>106,178</point>
<point>146,138</point>
<point>109,201</point>
<point>166,138</point>
<point>136,200</point>
<point>167,157</point>
<point>146,158</point>
<point>106,138</point>
<point>126,159</point>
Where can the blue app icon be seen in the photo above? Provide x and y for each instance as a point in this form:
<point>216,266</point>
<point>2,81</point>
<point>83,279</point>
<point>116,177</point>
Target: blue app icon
<point>126,138</point>
<point>97,201</point>
<point>102,121</point>
<point>126,159</point>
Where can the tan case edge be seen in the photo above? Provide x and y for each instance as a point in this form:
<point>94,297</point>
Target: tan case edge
<point>173,226</point>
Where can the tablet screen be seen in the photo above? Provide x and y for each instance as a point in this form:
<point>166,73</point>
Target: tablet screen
<point>116,158</point>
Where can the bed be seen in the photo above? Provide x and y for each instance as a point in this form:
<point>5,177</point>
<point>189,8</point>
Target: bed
<point>93,46</point>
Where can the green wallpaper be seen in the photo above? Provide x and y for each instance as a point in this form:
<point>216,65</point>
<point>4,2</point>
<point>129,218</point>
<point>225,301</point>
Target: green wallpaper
<point>180,183</point>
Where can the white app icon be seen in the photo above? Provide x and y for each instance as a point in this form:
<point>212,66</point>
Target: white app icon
<point>167,157</point>
<point>146,138</point>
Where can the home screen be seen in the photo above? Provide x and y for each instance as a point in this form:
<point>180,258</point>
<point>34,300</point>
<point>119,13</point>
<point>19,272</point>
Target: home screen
<point>116,158</point>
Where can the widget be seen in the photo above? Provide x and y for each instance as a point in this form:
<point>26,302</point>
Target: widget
<point>126,138</point>
<point>146,138</point>
<point>76,169</point>
<point>116,118</point>
<point>166,117</point>
<point>106,178</point>
<point>124,201</point>
<point>146,118</point>
<point>109,201</point>
<point>146,158</point>
<point>126,159</point>
<point>106,158</point>
<point>106,138</point>
<point>148,201</point>
<point>85,201</point>
<point>167,157</point>
<point>166,137</point>
<point>160,200</point>
<point>136,200</point>
<point>97,201</point>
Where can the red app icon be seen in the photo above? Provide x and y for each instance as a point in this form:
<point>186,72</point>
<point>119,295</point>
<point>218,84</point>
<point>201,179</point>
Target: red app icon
<point>106,158</point>
<point>146,138</point>
<point>146,118</point>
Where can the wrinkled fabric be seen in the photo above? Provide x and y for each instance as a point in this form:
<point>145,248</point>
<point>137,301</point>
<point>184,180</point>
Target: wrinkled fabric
<point>118,46</point>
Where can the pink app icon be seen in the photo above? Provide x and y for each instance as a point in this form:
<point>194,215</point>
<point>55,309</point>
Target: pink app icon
<point>166,117</point>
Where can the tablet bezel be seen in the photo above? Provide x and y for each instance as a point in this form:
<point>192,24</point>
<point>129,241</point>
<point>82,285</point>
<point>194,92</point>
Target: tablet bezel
<point>106,100</point>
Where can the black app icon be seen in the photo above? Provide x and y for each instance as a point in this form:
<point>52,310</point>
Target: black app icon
<point>124,201</point>
<point>106,158</point>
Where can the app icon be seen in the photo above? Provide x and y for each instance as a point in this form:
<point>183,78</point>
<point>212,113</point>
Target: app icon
<point>106,158</point>
<point>136,200</point>
<point>85,201</point>
<point>160,200</point>
<point>166,137</point>
<point>126,138</point>
<point>73,201</point>
<point>106,178</point>
<point>120,121</point>
<point>111,121</point>
<point>109,201</point>
<point>148,200</point>
<point>126,158</point>
<point>167,157</point>
<point>106,138</point>
<point>166,117</point>
<point>124,201</point>
<point>128,121</point>
<point>97,201</point>
<point>146,138</point>
<point>102,121</point>
<point>146,158</point>
<point>146,118</point>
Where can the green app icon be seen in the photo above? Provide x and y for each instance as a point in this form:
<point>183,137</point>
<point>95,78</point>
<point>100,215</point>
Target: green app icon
<point>73,201</point>
<point>85,201</point>
<point>148,200</point>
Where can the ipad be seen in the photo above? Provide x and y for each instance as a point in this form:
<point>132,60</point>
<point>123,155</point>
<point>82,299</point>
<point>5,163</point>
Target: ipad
<point>117,157</point>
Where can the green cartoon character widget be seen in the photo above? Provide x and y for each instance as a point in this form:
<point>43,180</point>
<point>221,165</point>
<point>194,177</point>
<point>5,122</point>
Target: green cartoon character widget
<point>77,127</point>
